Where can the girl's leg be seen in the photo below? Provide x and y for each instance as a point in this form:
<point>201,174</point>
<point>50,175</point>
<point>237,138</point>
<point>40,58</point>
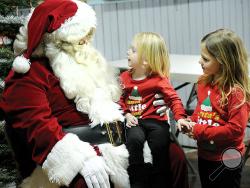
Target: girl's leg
<point>136,170</point>
<point>135,138</point>
<point>157,135</point>
<point>229,178</point>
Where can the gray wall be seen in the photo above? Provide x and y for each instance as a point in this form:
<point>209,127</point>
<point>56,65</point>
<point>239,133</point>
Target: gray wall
<point>181,22</point>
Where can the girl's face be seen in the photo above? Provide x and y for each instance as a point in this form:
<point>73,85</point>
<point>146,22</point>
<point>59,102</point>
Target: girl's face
<point>132,57</point>
<point>209,64</point>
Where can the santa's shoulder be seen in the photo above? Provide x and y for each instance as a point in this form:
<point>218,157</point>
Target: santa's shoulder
<point>40,72</point>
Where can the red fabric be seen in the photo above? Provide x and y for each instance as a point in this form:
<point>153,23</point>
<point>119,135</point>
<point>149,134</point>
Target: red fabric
<point>47,17</point>
<point>232,121</point>
<point>97,150</point>
<point>178,167</point>
<point>147,88</point>
<point>78,182</point>
<point>42,111</point>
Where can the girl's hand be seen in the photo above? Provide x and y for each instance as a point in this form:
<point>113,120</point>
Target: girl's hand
<point>190,133</point>
<point>131,120</point>
<point>183,125</point>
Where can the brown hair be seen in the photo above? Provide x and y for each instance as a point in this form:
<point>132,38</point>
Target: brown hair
<point>228,49</point>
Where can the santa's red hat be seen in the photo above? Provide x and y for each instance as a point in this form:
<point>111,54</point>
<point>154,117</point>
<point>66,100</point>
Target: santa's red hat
<point>71,19</point>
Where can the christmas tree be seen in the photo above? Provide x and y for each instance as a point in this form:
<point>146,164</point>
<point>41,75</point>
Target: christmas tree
<point>10,21</point>
<point>11,18</point>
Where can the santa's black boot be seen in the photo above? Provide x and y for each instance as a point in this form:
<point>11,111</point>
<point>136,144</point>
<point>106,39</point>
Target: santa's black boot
<point>138,176</point>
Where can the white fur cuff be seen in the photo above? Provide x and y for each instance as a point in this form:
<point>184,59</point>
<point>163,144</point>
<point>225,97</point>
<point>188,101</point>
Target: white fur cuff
<point>117,160</point>
<point>66,159</point>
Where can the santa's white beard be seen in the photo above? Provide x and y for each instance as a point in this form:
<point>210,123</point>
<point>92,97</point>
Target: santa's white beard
<point>86,77</point>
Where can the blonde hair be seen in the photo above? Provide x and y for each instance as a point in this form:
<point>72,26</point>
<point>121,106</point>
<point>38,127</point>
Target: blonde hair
<point>228,49</point>
<point>151,47</point>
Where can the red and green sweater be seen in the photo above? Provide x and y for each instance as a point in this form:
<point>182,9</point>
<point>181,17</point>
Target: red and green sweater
<point>138,97</point>
<point>217,128</point>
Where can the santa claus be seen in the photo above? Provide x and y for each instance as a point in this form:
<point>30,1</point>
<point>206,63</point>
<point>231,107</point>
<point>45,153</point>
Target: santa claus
<point>59,80</point>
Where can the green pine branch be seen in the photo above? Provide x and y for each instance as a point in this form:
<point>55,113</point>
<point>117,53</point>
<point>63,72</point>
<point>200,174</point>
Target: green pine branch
<point>6,59</point>
<point>8,7</point>
<point>8,170</point>
<point>5,68</point>
<point>6,53</point>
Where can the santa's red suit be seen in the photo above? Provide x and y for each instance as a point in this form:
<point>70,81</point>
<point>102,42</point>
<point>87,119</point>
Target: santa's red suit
<point>36,110</point>
<point>59,82</point>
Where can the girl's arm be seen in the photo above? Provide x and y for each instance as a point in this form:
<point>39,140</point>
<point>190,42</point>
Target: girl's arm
<point>172,99</point>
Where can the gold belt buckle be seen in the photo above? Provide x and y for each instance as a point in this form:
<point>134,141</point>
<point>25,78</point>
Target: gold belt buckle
<point>110,131</point>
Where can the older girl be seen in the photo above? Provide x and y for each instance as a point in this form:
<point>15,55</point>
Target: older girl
<point>222,112</point>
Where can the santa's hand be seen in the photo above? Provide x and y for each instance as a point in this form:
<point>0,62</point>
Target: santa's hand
<point>96,173</point>
<point>160,102</point>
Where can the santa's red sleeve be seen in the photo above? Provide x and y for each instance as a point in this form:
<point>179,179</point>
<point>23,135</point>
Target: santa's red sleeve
<point>27,110</point>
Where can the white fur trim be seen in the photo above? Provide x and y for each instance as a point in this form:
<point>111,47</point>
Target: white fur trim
<point>103,109</point>
<point>77,74</point>
<point>76,27</point>
<point>117,160</point>
<point>21,64</point>
<point>147,153</point>
<point>66,159</point>
<point>38,179</point>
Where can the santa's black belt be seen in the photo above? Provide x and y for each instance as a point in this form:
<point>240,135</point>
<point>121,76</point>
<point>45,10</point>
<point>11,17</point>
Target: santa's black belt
<point>108,132</point>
